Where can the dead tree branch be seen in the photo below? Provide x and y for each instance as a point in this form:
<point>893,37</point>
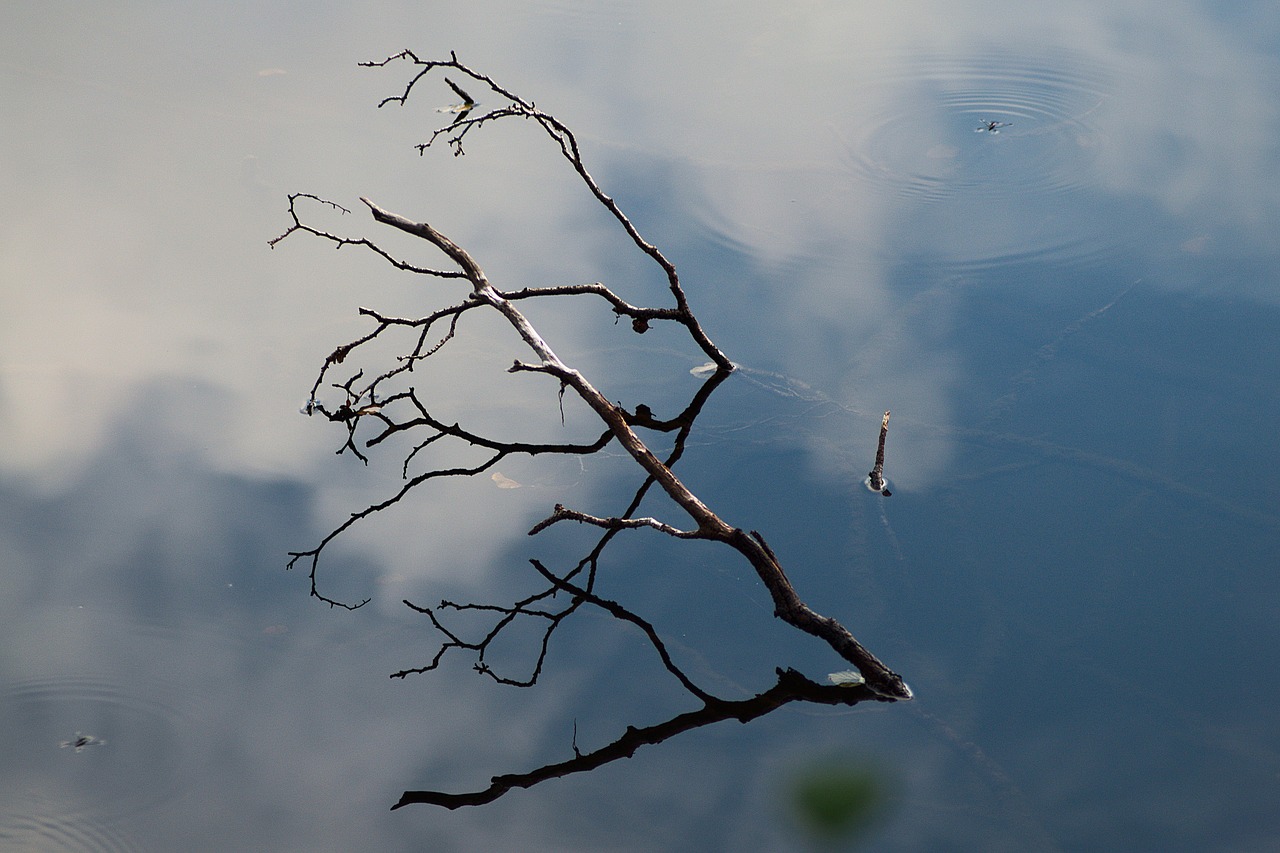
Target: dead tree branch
<point>787,603</point>
<point>791,686</point>
<point>378,406</point>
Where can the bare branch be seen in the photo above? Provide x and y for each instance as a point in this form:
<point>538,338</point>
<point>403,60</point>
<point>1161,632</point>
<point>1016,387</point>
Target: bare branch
<point>340,242</point>
<point>640,316</point>
<point>375,408</point>
<point>562,514</point>
<point>791,687</point>
<point>619,612</point>
<point>787,603</point>
<point>568,145</point>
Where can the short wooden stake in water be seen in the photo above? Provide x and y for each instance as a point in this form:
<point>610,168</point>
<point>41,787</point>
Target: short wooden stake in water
<point>877,473</point>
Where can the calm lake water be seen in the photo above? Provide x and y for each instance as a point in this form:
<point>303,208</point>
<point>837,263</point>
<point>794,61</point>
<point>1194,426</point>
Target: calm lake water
<point>1043,235</point>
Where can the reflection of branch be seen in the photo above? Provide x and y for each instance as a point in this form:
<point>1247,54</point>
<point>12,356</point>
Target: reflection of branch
<point>617,611</point>
<point>378,406</point>
<point>791,687</point>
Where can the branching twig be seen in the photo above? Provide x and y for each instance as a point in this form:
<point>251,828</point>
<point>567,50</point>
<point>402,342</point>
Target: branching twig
<point>562,514</point>
<point>396,410</point>
<point>790,687</point>
<point>617,611</point>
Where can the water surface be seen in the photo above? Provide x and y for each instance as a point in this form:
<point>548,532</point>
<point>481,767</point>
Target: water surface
<point>1074,322</point>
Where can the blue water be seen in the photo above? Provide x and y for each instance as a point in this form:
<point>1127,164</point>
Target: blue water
<point>1074,322</point>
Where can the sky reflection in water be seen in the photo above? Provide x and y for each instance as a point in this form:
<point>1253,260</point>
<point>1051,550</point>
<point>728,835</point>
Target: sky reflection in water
<point>1074,322</point>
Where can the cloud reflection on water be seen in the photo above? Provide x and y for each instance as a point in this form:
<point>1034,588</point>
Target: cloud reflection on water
<point>139,298</point>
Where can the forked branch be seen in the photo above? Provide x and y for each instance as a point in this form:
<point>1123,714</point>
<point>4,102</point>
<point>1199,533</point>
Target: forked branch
<point>791,686</point>
<point>375,404</point>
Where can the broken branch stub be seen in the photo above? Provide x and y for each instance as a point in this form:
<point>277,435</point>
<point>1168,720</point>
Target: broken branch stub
<point>876,478</point>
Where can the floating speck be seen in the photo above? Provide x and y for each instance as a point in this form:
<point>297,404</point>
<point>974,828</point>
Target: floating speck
<point>80,741</point>
<point>504,482</point>
<point>704,370</point>
<point>846,678</point>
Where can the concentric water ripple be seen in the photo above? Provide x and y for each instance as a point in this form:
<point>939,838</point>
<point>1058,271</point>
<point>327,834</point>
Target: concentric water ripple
<point>44,827</point>
<point>118,695</point>
<point>910,172</point>
<point>927,138</point>
<point>137,767</point>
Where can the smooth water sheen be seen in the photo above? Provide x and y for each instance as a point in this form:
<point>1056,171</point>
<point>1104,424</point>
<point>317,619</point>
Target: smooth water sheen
<point>1073,316</point>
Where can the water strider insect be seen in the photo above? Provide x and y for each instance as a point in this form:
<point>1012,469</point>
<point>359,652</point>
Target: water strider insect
<point>80,741</point>
<point>992,127</point>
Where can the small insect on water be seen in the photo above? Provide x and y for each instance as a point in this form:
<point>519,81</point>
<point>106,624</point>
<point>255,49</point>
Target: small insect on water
<point>80,741</point>
<point>992,127</point>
